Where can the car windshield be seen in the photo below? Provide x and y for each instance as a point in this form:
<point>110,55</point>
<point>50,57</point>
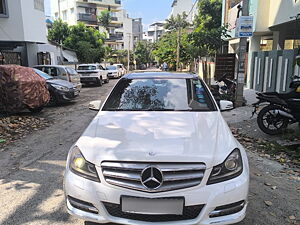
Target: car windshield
<point>44,75</point>
<point>159,95</point>
<point>111,68</point>
<point>87,67</point>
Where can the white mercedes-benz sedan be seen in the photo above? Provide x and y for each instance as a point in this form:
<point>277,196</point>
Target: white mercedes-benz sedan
<point>158,152</point>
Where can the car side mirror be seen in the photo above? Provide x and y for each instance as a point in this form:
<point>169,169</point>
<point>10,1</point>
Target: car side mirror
<point>226,105</point>
<point>95,105</point>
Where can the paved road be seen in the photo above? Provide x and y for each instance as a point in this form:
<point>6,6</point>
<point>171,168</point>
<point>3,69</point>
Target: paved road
<point>31,192</point>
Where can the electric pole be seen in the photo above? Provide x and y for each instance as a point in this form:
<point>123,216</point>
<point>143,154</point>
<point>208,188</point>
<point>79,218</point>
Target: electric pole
<point>128,56</point>
<point>242,61</point>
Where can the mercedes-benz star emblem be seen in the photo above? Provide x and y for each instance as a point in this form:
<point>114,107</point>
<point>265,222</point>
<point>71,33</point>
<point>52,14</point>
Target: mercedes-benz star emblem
<point>152,177</point>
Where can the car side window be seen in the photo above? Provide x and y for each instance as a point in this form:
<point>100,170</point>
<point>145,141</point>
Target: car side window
<point>53,72</point>
<point>101,68</point>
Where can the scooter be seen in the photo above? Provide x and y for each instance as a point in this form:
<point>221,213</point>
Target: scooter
<point>226,91</point>
<point>281,110</point>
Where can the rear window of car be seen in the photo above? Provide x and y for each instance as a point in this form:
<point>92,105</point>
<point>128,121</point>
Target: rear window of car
<point>159,95</point>
<point>87,67</point>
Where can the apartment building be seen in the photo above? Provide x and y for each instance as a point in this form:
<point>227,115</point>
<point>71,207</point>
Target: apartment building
<point>22,28</point>
<point>120,32</point>
<point>155,31</point>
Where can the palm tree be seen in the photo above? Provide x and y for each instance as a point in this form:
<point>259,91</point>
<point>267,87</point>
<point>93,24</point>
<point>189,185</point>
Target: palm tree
<point>105,19</point>
<point>177,23</point>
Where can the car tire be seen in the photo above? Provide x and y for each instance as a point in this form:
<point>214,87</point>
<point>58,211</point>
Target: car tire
<point>53,100</point>
<point>107,80</point>
<point>99,82</point>
<point>36,110</point>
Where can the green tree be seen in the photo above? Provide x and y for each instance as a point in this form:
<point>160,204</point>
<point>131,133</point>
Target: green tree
<point>88,43</point>
<point>165,49</point>
<point>208,32</point>
<point>178,24</point>
<point>142,53</point>
<point>58,32</point>
<point>105,19</point>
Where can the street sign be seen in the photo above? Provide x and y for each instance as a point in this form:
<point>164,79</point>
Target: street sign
<point>244,26</point>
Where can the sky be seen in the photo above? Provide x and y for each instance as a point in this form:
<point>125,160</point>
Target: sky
<point>149,10</point>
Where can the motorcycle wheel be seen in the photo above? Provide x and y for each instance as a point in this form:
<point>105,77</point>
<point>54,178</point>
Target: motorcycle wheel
<point>271,123</point>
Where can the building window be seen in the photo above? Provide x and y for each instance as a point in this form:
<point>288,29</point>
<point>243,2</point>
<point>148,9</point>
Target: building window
<point>3,8</point>
<point>39,5</point>
<point>56,15</point>
<point>64,15</point>
<point>72,10</point>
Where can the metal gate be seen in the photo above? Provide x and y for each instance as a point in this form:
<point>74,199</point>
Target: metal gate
<point>225,64</point>
<point>272,70</point>
<point>10,58</point>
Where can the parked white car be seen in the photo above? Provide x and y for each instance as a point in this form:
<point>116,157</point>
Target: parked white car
<point>113,71</point>
<point>158,152</point>
<point>122,68</point>
<point>92,73</point>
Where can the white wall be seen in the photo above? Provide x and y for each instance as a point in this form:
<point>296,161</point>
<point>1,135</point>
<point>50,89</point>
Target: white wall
<point>12,27</point>
<point>182,6</point>
<point>34,22</point>
<point>282,10</point>
<point>25,23</point>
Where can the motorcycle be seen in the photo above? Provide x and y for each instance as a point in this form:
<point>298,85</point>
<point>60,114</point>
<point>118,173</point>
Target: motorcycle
<point>224,91</point>
<point>281,111</point>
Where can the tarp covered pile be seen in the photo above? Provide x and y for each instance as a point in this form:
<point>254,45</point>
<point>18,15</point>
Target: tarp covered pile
<point>20,88</point>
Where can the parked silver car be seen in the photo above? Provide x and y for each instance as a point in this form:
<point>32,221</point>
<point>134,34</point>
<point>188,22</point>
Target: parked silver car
<point>61,72</point>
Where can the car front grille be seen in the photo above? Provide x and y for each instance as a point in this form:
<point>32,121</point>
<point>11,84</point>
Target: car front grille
<point>175,176</point>
<point>189,213</point>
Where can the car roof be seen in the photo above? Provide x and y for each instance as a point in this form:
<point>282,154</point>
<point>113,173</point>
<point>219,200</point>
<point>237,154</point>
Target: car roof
<point>88,65</point>
<point>160,75</point>
<point>56,66</point>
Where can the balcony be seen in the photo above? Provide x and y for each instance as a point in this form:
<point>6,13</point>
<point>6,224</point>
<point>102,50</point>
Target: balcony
<point>115,37</point>
<point>87,17</point>
<point>103,2</point>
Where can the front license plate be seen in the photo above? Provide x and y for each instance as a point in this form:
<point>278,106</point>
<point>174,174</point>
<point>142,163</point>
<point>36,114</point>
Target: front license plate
<point>157,206</point>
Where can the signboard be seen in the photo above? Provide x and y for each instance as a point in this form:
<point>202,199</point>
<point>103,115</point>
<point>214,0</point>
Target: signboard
<point>244,26</point>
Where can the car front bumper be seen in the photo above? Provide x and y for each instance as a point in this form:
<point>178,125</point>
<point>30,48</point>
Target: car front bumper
<point>209,196</point>
<point>114,75</point>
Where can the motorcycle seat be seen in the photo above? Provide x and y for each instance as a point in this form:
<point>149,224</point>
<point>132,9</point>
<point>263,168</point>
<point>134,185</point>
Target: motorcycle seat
<point>283,96</point>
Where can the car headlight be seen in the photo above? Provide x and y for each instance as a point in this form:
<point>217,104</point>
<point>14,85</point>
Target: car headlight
<point>81,167</point>
<point>59,87</point>
<point>232,167</point>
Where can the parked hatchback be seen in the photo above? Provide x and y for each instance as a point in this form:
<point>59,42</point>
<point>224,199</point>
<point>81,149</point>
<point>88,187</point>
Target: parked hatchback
<point>93,73</point>
<point>61,72</point>
<point>113,71</point>
<point>121,68</point>
<point>61,91</point>
<point>158,152</point>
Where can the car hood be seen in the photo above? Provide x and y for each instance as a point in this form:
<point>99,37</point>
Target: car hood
<point>158,137</point>
<point>61,82</point>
